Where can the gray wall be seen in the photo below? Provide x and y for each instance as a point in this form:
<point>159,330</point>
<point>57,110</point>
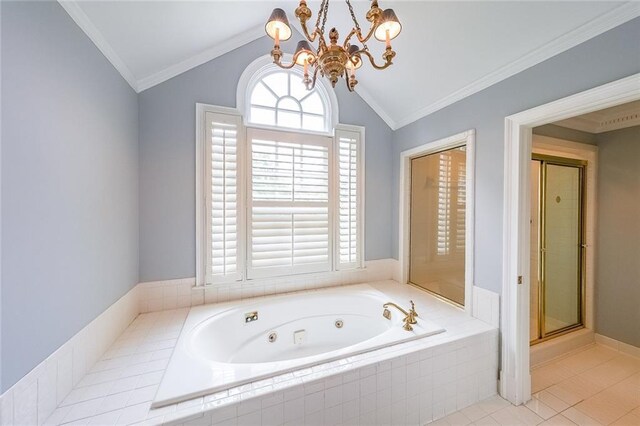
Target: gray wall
<point>69,183</point>
<point>617,284</point>
<point>610,56</point>
<point>559,132</point>
<point>167,161</point>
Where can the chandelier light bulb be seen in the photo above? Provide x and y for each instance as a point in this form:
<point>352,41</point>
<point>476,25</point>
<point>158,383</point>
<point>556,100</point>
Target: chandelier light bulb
<point>389,26</point>
<point>277,26</point>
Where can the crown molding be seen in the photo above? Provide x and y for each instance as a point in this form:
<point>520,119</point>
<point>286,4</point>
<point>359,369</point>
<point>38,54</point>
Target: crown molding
<point>375,106</point>
<point>82,20</point>
<point>218,50</point>
<point>599,25</point>
<point>593,28</point>
<point>620,117</point>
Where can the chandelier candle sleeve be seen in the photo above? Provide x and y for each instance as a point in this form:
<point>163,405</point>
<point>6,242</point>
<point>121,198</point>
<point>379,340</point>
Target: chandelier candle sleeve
<point>330,59</point>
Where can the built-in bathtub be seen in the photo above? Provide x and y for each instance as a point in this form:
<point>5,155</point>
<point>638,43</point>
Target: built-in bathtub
<point>227,345</point>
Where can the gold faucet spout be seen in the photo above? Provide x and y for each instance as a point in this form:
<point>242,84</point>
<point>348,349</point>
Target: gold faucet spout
<point>409,317</point>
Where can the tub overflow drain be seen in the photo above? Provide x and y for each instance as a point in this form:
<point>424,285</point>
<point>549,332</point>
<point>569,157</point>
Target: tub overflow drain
<point>339,323</point>
<point>272,337</point>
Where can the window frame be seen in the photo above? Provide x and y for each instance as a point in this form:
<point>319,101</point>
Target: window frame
<point>264,66</point>
<point>202,246</point>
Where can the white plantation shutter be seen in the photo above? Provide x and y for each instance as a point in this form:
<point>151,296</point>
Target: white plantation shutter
<point>349,223</point>
<point>289,203</point>
<point>223,197</point>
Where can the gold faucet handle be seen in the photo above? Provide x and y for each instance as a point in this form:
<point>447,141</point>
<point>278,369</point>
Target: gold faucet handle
<point>413,309</point>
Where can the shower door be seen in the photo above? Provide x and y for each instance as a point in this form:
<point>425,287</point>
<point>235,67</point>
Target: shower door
<point>437,223</point>
<point>557,246</point>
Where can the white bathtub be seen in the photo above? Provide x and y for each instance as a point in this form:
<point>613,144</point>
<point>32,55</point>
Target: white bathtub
<point>218,349</point>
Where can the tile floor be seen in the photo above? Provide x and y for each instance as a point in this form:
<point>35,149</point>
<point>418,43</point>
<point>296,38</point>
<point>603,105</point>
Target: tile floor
<point>592,387</point>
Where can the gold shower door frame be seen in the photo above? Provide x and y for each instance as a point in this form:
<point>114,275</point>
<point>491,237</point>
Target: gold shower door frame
<point>581,166</point>
<point>463,147</point>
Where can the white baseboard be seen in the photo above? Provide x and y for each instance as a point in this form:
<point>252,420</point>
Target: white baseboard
<point>34,397</point>
<point>560,346</point>
<point>619,346</point>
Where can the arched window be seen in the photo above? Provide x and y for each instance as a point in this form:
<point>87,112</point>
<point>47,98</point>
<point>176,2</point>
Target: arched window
<point>279,98</point>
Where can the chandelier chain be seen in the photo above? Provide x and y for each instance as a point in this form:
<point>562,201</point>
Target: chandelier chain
<point>355,22</point>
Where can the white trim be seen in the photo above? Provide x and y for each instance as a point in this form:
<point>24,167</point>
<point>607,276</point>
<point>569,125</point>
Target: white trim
<point>84,22</point>
<point>218,50</point>
<point>461,139</point>
<point>201,110</point>
<point>597,26</point>
<point>515,379</point>
<point>263,65</point>
<point>360,194</point>
<point>618,345</point>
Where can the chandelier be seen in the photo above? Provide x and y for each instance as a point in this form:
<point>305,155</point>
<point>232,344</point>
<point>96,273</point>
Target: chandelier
<point>333,60</point>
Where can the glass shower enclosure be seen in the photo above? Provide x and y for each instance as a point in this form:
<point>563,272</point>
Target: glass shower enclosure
<point>557,246</point>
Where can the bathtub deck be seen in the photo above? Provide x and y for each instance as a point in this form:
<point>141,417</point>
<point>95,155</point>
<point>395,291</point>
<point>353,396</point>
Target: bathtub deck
<point>120,387</point>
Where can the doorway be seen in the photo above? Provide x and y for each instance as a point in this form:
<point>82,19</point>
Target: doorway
<point>557,246</point>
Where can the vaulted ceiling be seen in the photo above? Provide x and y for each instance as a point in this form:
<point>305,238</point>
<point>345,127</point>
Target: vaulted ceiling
<point>446,51</point>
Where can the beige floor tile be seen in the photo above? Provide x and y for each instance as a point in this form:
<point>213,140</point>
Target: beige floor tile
<point>552,401</point>
<point>486,421</point>
<point>520,415</point>
<point>558,420</point>
<point>474,412</point>
<point>548,375</point>
<point>506,417</point>
<point>628,420</point>
<point>581,386</point>
<point>457,419</point>
<point>493,404</point>
<point>602,409</point>
<point>612,371</point>
<point>579,418</point>
<point>587,359</point>
<point>565,393</point>
<point>541,409</point>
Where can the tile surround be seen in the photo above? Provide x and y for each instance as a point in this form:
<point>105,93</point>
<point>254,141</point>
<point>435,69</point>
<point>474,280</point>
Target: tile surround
<point>412,382</point>
<point>74,377</point>
<point>32,400</point>
<point>182,293</point>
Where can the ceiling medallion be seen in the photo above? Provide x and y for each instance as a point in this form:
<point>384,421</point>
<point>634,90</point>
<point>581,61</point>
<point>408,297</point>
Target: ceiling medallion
<point>333,60</point>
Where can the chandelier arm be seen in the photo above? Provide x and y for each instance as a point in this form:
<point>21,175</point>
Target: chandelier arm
<point>373,62</point>
<point>358,33</point>
<point>346,81</point>
<point>313,81</point>
<point>311,37</point>
<point>279,63</point>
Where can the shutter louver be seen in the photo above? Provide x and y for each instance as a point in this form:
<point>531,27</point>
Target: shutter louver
<point>289,204</point>
<point>223,198</point>
<point>348,202</point>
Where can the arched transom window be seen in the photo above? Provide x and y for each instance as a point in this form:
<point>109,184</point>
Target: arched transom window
<point>280,99</point>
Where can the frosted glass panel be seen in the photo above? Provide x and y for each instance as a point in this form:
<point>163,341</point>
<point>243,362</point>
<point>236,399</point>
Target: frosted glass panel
<point>437,228</point>
<point>534,328</point>
<point>562,247</point>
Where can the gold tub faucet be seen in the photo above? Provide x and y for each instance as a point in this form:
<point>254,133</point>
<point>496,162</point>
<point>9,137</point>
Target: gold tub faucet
<point>409,317</point>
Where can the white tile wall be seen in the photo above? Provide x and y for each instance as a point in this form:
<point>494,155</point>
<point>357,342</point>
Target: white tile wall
<point>32,400</point>
<point>181,293</point>
<point>486,306</point>
<point>412,388</point>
